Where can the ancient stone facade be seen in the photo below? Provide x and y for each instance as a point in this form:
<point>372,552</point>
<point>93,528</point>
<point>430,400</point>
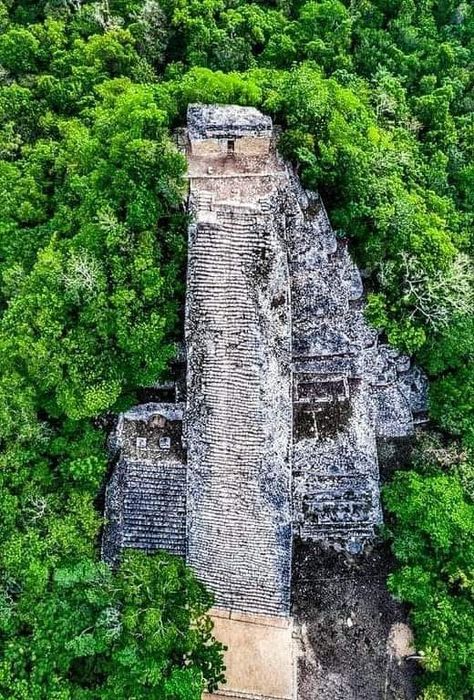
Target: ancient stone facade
<point>288,389</point>
<point>146,496</point>
<point>348,390</point>
<point>215,131</point>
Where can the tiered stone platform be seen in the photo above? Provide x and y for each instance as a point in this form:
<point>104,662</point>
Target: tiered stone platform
<point>289,394</point>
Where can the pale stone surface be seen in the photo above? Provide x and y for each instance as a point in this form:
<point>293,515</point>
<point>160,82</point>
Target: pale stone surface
<point>259,660</point>
<point>400,643</point>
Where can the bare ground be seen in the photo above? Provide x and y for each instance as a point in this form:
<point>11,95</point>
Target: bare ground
<point>353,637</point>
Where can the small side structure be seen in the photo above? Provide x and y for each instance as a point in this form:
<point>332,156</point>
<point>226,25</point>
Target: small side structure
<point>146,496</point>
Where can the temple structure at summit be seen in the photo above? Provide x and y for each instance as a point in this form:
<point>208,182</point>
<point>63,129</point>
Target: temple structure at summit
<point>288,390</point>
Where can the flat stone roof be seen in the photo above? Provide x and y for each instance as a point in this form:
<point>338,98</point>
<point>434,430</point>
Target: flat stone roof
<point>226,122</point>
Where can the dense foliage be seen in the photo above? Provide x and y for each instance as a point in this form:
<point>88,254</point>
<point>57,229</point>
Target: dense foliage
<point>376,100</point>
<point>96,635</point>
<point>91,252</point>
<point>433,542</point>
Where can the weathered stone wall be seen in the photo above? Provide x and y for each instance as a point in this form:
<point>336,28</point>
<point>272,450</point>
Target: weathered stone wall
<point>146,496</point>
<point>238,415</point>
<point>208,148</point>
<point>335,467</point>
<point>252,147</point>
<point>244,145</point>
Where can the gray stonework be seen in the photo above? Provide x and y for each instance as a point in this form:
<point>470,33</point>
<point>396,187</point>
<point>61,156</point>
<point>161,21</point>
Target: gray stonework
<point>146,496</point>
<point>226,122</point>
<point>348,389</point>
<point>288,388</point>
<point>238,413</point>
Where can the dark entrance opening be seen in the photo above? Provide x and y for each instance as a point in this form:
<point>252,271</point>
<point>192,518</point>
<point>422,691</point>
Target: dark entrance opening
<point>231,146</point>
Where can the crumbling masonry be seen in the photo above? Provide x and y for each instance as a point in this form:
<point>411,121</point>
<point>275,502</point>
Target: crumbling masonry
<point>288,388</point>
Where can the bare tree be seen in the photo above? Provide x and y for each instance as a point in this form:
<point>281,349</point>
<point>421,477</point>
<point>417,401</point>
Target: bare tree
<point>82,274</point>
<point>436,297</point>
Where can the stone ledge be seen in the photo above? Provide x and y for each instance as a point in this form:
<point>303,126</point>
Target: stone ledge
<point>280,621</point>
<point>233,176</point>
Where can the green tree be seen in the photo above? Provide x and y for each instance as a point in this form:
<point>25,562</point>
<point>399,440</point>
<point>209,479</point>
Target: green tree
<point>432,533</point>
<point>141,633</point>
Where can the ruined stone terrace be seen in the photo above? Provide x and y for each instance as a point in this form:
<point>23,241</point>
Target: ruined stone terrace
<point>146,496</point>
<point>288,388</point>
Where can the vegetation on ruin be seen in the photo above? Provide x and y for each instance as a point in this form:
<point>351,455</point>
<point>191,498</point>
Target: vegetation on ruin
<point>375,97</point>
